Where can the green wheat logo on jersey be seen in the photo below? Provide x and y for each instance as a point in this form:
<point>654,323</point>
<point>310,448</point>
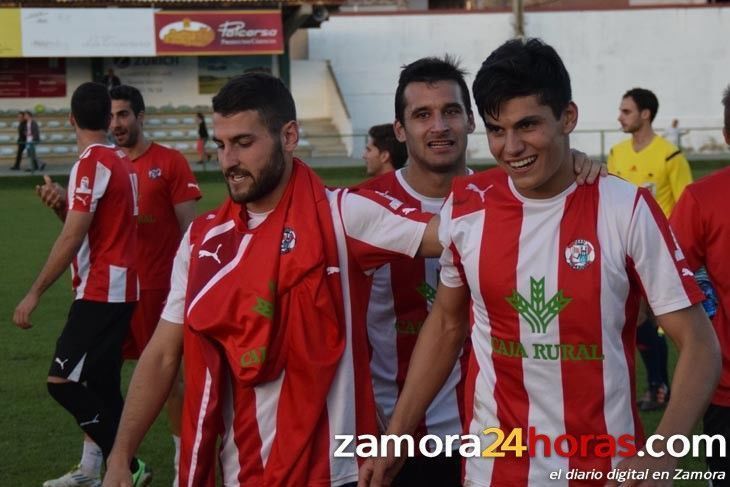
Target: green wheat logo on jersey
<point>538,312</point>
<point>265,307</point>
<point>427,291</point>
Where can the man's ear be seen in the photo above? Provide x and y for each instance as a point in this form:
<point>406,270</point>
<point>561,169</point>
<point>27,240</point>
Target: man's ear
<point>290,136</point>
<point>471,126</point>
<point>645,114</point>
<point>570,118</point>
<point>140,117</point>
<point>72,120</point>
<point>400,131</point>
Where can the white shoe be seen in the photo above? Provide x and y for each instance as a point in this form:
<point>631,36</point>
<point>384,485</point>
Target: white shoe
<point>75,478</point>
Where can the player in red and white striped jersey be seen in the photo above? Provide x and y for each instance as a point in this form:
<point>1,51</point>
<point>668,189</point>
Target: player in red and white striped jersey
<point>98,240</point>
<point>433,118</point>
<point>555,273</point>
<point>282,258</point>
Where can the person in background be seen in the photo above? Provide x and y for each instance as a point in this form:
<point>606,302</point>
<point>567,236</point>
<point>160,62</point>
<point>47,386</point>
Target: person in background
<point>384,153</point>
<point>650,161</point>
<point>32,137</point>
<point>674,134</point>
<point>202,139</point>
<point>21,141</point>
<point>111,80</point>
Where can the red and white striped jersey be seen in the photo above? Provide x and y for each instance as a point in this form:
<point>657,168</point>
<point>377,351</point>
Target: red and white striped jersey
<point>555,286</point>
<point>102,182</point>
<point>370,230</point>
<point>400,299</point>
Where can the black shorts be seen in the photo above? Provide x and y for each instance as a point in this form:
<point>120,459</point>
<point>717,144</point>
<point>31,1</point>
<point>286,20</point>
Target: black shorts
<point>91,340</point>
<point>717,422</point>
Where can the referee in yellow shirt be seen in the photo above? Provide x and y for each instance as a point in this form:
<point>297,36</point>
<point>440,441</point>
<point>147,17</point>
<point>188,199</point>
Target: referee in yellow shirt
<point>651,161</point>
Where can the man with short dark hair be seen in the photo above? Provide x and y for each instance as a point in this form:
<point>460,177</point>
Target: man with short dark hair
<point>551,273</point>
<point>650,161</point>
<point>268,295</point>
<point>383,152</point>
<point>98,241</point>
<point>701,223</point>
<point>168,192</point>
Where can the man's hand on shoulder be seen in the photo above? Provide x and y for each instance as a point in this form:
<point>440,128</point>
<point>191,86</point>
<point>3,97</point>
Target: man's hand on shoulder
<point>587,170</point>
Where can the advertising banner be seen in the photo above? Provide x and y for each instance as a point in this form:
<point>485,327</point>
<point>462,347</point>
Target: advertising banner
<point>32,78</point>
<point>87,32</point>
<point>10,44</point>
<point>190,33</point>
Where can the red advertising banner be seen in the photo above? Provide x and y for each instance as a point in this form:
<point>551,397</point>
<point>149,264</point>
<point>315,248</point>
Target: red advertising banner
<point>227,32</point>
<point>32,78</point>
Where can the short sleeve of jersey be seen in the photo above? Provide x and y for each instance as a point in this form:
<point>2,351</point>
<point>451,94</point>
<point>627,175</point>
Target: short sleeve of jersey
<point>680,175</point>
<point>664,273</point>
<point>688,228</point>
<point>174,310</point>
<point>183,185</point>
<point>449,274</point>
<point>380,228</point>
<point>87,184</point>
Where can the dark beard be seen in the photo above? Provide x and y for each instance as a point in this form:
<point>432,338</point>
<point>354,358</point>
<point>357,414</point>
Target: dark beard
<point>267,180</point>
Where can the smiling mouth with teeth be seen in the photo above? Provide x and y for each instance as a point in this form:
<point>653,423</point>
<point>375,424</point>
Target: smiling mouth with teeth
<point>438,144</point>
<point>522,163</point>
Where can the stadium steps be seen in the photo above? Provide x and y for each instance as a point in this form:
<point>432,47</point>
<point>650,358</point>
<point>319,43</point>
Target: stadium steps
<point>320,138</point>
<point>168,126</point>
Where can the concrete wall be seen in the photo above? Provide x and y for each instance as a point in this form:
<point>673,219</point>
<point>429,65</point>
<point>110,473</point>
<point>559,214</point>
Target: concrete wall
<point>679,53</point>
<point>316,95</point>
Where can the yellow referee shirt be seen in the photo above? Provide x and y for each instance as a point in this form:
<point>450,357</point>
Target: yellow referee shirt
<point>660,166</point>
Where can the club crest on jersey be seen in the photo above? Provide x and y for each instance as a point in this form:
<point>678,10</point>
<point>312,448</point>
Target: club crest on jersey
<point>83,187</point>
<point>288,240</point>
<point>154,173</point>
<point>580,254</point>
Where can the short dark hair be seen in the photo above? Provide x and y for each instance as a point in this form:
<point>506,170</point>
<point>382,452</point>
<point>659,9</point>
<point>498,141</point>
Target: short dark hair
<point>520,68</point>
<point>28,112</point>
<point>726,105</point>
<point>91,106</point>
<point>645,100</point>
<point>130,94</point>
<point>384,139</point>
<point>430,70</point>
<point>262,92</point>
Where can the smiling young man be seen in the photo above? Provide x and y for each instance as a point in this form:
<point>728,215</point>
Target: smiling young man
<point>553,272</point>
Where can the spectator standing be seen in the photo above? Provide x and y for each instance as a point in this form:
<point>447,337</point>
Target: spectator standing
<point>21,141</point>
<point>674,134</point>
<point>111,80</point>
<point>32,137</point>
